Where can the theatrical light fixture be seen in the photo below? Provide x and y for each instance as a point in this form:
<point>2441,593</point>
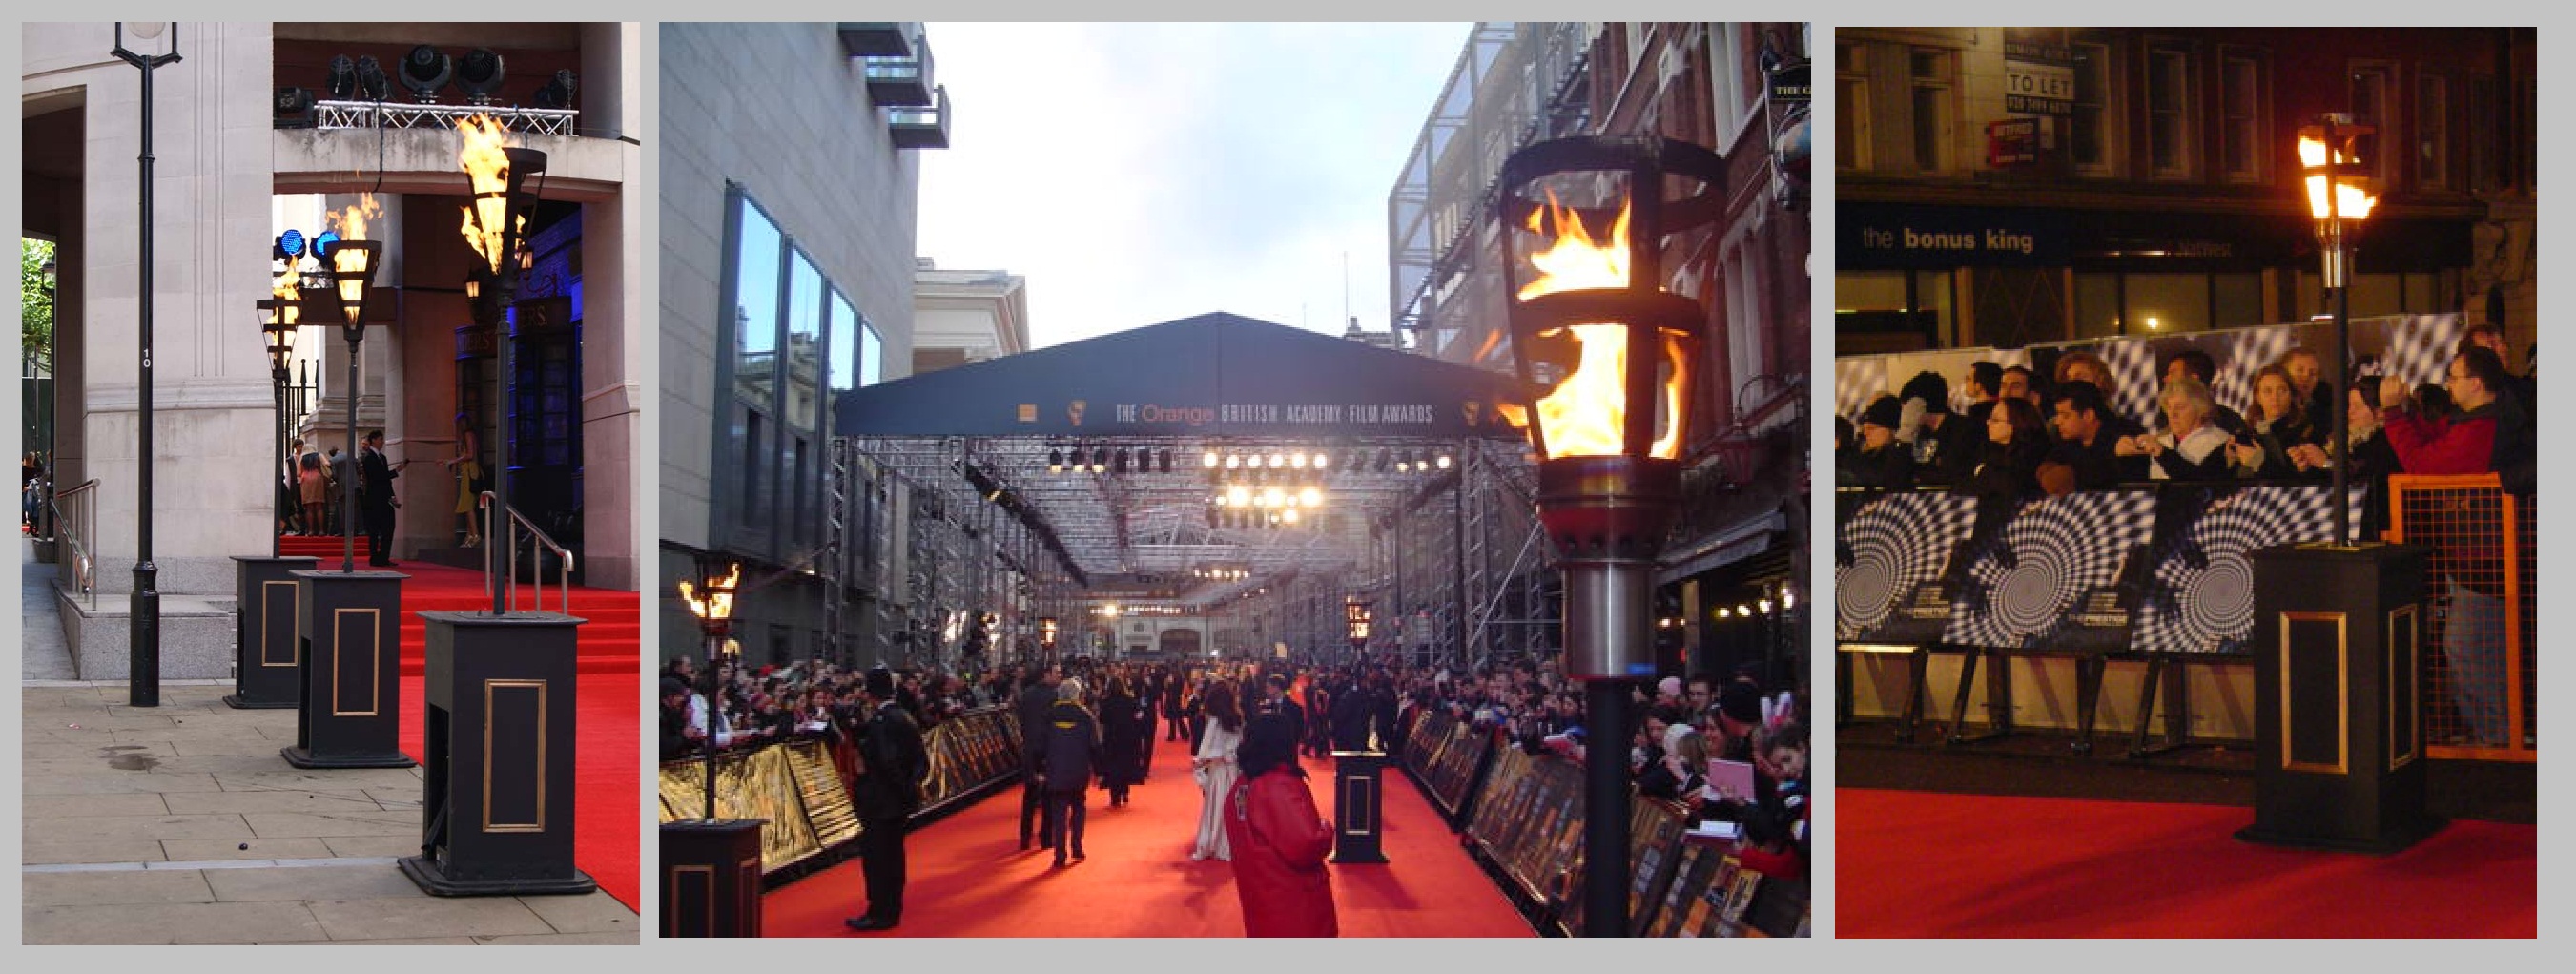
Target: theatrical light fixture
<point>1118,461</point>
<point>341,83</point>
<point>290,246</point>
<point>1165,460</point>
<point>1233,462</point>
<point>372,83</point>
<point>480,75</point>
<point>1297,461</point>
<point>1055,461</point>
<point>559,90</point>
<point>425,70</point>
<point>1765,604</point>
<point>1310,497</point>
<point>1442,462</point>
<point>1321,460</point>
<point>1100,459</point>
<point>1277,462</point>
<point>1288,516</point>
<point>1208,459</point>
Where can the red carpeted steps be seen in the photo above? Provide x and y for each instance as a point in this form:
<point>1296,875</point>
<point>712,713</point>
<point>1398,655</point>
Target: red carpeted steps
<point>610,640</point>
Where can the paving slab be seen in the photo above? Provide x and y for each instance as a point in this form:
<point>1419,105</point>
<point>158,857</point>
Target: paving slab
<point>36,853</point>
<point>427,916</point>
<point>591,913</point>
<point>112,803</point>
<point>77,750</point>
<point>372,846</point>
<point>281,825</point>
<point>91,784</point>
<point>122,887</point>
<point>311,883</point>
<point>326,802</point>
<point>174,923</point>
<point>190,850</point>
<point>564,939</point>
<point>391,941</point>
<point>154,827</point>
<point>287,778</point>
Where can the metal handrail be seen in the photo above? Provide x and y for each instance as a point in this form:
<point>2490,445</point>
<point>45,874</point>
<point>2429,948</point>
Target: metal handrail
<point>485,501</point>
<point>81,531</point>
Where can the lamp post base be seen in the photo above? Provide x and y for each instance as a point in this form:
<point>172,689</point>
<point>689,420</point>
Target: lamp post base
<point>432,878</point>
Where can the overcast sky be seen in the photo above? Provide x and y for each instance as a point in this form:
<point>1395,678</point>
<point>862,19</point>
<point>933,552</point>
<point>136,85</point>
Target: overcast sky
<point>1139,173</point>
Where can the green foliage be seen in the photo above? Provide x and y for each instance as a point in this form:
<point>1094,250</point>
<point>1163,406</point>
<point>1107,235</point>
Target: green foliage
<point>36,304</point>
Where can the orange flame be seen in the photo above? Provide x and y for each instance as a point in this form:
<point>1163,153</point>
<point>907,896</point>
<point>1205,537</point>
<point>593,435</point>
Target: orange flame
<point>717,604</point>
<point>1586,414</point>
<point>2350,201</point>
<point>488,167</point>
<point>351,223</point>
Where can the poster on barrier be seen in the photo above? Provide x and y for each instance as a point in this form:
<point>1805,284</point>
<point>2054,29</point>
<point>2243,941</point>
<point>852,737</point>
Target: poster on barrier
<point>2052,575</point>
<point>1892,559</point>
<point>2199,597</point>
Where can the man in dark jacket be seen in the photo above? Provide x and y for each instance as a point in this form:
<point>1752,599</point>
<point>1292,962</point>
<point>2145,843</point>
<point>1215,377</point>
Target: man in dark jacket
<point>1275,699</point>
<point>1069,749</point>
<point>376,498</point>
<point>1034,701</point>
<point>892,766</point>
<point>2084,439</point>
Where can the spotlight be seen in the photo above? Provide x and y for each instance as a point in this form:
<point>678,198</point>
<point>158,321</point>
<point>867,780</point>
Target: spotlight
<point>1310,497</point>
<point>1288,516</point>
<point>425,70</point>
<point>342,83</point>
<point>1119,462</point>
<point>1277,462</point>
<point>1765,604</point>
<point>1744,610</point>
<point>290,246</point>
<point>372,83</point>
<point>1233,462</point>
<point>1166,460</point>
<point>1321,459</point>
<point>1055,461</point>
<point>480,75</point>
<point>1239,495</point>
<point>1208,459</point>
<point>558,91</point>
<point>1100,460</point>
<point>1442,462</point>
<point>1297,461</point>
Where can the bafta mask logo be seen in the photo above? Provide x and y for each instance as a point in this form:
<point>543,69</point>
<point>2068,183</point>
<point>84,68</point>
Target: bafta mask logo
<point>1074,412</point>
<point>1471,408</point>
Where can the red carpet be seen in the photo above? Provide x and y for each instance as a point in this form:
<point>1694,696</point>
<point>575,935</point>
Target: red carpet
<point>608,711</point>
<point>968,878</point>
<point>1925,864</point>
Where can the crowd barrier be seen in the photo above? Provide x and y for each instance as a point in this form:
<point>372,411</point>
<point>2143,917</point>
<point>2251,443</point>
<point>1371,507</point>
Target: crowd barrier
<point>2482,677</point>
<point>2159,573</point>
<point>800,787</point>
<point>1525,824</point>
<point>1449,755</point>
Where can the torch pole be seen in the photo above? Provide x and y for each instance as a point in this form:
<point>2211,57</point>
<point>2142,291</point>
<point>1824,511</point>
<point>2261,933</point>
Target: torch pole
<point>349,476</point>
<point>1605,809</point>
<point>2342,403</point>
<point>715,652</point>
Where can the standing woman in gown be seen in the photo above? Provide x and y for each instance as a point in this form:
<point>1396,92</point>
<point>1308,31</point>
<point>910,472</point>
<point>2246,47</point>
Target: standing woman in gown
<point>1123,726</point>
<point>1215,769</point>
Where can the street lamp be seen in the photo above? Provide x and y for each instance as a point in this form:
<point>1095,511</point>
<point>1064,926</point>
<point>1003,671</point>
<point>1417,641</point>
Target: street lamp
<point>143,634</point>
<point>495,226</point>
<point>277,326</point>
<point>1047,628</point>
<point>711,600</point>
<point>1608,352</point>
<point>2338,200</point>
<point>353,278</point>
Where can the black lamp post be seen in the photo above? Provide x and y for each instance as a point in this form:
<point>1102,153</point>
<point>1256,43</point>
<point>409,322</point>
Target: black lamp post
<point>353,279</point>
<point>503,203</point>
<point>711,600</point>
<point>277,326</point>
<point>1047,628</point>
<point>1609,353</point>
<point>143,655</point>
<point>2338,200</point>
<point>1355,619</point>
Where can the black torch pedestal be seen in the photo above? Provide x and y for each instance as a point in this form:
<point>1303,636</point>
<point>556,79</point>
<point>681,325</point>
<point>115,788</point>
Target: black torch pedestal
<point>2338,698</point>
<point>711,878</point>
<point>497,714</point>
<point>264,637</point>
<point>1359,789</point>
<point>349,712</point>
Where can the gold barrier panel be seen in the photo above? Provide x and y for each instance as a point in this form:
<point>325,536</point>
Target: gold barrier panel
<point>2480,673</point>
<point>818,785</point>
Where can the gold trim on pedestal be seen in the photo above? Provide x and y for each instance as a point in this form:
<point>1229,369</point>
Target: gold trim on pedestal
<point>490,689</point>
<point>1355,795</point>
<point>671,911</point>
<point>2405,677</point>
<point>295,602</point>
<point>375,665</point>
<point>2343,694</point>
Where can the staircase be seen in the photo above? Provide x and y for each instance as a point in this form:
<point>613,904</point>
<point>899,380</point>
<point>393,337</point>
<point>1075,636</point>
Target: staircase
<point>610,642</point>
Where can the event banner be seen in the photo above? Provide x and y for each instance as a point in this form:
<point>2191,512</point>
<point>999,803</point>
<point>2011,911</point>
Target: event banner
<point>2417,348</point>
<point>2161,570</point>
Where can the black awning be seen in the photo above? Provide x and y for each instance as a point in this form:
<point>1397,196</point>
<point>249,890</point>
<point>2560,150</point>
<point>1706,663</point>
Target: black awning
<point>1213,375</point>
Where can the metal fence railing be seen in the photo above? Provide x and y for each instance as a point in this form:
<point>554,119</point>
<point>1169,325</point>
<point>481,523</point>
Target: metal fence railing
<point>75,516</point>
<point>2482,677</point>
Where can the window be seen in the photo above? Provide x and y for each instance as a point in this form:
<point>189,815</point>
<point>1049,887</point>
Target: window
<point>1851,107</point>
<point>2240,104</point>
<point>804,342</point>
<point>2482,135</point>
<point>2432,132</point>
<point>871,356</point>
<point>2370,107</point>
<point>796,340</point>
<point>2089,120</point>
<point>1933,75</point>
<point>2169,112</point>
<point>2162,304</point>
<point>755,273</point>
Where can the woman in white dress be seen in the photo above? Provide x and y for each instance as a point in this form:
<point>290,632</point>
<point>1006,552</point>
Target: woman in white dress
<point>1215,770</point>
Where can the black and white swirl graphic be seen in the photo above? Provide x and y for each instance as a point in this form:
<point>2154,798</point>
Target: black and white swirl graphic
<point>1888,548</point>
<point>2416,348</point>
<point>2200,598</point>
<point>1857,381</point>
<point>2021,586</point>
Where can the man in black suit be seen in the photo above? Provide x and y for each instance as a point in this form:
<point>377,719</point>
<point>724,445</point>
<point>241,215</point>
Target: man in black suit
<point>1275,699</point>
<point>1034,701</point>
<point>892,766</point>
<point>376,498</point>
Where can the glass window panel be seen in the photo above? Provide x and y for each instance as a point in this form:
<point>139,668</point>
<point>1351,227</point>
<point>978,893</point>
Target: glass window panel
<point>2097,305</point>
<point>844,332</point>
<point>2375,294</point>
<point>871,356</point>
<point>2092,100</point>
<point>2162,304</point>
<point>804,341</point>
<point>1869,291</point>
<point>2167,81</point>
<point>755,316</point>
<point>1932,293</point>
<point>2240,299</point>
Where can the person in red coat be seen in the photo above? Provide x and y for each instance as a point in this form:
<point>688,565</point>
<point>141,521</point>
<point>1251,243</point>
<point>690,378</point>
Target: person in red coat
<point>1279,840</point>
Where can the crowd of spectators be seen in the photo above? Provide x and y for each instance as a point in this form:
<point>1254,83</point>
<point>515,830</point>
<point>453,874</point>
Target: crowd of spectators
<point>2020,436</point>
